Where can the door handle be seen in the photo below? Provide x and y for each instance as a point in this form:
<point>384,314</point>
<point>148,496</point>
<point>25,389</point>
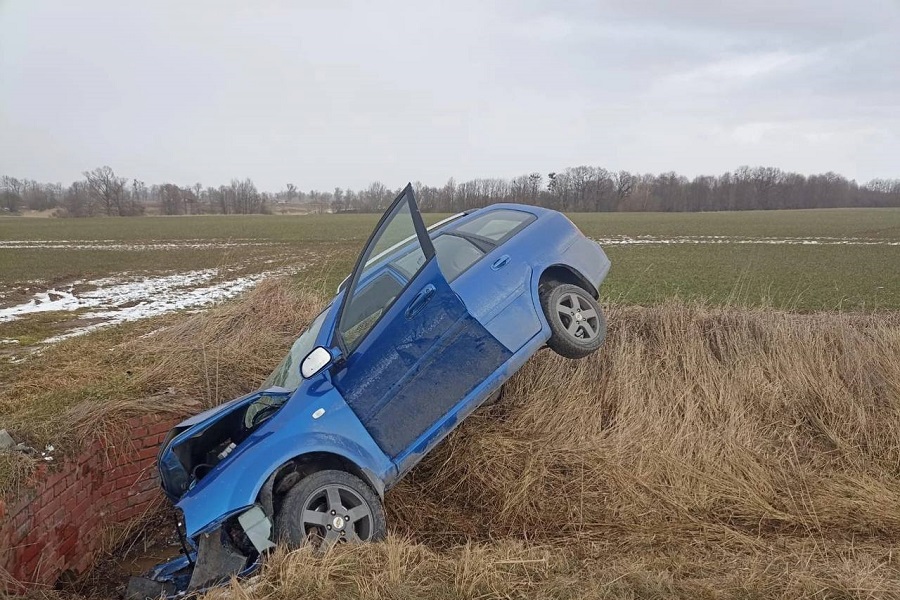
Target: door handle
<point>419,302</point>
<point>500,262</point>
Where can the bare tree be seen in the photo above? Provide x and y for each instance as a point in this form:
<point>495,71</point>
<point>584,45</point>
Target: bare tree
<point>582,188</point>
<point>78,201</point>
<point>11,192</point>
<point>108,189</point>
<point>624,183</point>
<point>171,199</point>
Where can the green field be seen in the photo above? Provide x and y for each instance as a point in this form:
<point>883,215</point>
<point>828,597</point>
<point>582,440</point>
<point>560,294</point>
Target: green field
<point>857,268</point>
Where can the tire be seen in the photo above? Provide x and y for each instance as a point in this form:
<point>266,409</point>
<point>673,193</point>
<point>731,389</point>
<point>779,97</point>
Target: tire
<point>330,507</point>
<point>577,324</point>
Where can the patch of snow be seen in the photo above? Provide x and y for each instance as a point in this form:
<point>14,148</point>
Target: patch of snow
<point>119,245</point>
<point>113,301</point>
<point>649,240</point>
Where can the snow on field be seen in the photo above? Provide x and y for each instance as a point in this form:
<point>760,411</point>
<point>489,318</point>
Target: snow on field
<point>114,300</point>
<point>649,240</point>
<point>118,245</point>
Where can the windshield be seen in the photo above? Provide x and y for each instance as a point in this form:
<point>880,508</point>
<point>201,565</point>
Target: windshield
<point>287,374</point>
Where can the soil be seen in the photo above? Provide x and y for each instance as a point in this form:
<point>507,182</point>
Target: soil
<point>139,549</point>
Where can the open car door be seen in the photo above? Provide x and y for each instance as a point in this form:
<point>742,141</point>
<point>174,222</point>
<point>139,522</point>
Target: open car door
<point>412,351</point>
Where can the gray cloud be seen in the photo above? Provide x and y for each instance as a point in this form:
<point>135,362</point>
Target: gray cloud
<point>356,91</point>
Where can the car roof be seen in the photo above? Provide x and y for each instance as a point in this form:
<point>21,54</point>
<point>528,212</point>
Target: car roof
<point>448,224</point>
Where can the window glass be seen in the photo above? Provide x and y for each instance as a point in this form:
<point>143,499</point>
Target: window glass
<point>497,225</point>
<point>376,288</point>
<point>411,262</point>
<point>399,234</point>
<point>287,374</point>
<point>455,255</point>
<point>368,305</point>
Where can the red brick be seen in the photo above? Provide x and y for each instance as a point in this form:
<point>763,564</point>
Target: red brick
<point>151,483</point>
<point>129,513</point>
<point>147,466</point>
<point>59,515</point>
<point>45,512</point>
<point>147,453</point>
<point>19,509</point>
<point>54,478</point>
<point>84,563</point>
<point>124,470</point>
<point>66,494</point>
<point>78,511</point>
<point>144,498</point>
<point>23,514</point>
<point>68,545</point>
<point>160,429</point>
<point>22,530</point>
<point>30,551</point>
<point>91,525</point>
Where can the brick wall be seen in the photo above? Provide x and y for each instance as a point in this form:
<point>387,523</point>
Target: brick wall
<point>58,523</point>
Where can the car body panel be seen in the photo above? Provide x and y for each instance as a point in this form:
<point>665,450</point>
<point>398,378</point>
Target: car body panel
<point>443,426</point>
<point>235,482</point>
<point>386,377</point>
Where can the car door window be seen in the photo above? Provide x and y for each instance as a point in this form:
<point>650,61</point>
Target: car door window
<point>455,255</point>
<point>497,225</point>
<point>376,286</point>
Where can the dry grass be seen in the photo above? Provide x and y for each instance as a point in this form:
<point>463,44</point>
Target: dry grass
<point>758,421</point>
<point>703,453</point>
<point>86,388</point>
<point>221,354</point>
<point>403,570</point>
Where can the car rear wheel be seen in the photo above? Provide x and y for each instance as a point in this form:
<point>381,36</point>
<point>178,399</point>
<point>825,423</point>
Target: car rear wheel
<point>330,507</point>
<point>577,324</point>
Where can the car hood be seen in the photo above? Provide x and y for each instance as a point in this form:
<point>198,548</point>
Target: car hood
<point>217,411</point>
<point>198,444</point>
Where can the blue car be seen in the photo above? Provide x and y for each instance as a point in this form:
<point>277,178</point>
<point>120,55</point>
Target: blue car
<point>428,326</point>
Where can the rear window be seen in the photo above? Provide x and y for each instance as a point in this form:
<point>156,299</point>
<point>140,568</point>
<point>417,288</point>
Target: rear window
<point>497,225</point>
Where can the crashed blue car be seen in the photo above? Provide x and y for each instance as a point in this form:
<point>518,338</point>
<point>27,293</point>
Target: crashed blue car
<point>428,326</point>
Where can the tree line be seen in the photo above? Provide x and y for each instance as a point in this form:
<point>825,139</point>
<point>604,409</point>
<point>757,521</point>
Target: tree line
<point>576,189</point>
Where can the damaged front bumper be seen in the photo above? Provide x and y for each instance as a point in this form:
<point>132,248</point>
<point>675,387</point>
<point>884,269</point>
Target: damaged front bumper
<point>231,548</point>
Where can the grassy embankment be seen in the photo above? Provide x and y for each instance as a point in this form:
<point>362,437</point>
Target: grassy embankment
<point>704,452</point>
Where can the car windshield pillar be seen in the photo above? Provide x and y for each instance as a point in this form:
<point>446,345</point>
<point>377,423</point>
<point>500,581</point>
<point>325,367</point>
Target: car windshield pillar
<point>287,374</point>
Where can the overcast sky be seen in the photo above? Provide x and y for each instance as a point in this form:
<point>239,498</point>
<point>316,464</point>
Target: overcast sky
<point>395,91</point>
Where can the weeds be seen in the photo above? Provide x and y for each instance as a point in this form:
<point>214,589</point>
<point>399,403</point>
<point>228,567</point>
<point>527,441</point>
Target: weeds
<point>86,388</point>
<point>702,453</point>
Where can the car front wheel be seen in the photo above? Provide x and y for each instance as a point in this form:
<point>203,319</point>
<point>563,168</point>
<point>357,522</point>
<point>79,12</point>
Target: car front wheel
<point>328,508</point>
<point>577,324</point>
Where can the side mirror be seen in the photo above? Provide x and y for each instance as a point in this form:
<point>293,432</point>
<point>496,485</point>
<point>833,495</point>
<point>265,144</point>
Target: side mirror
<point>319,359</point>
